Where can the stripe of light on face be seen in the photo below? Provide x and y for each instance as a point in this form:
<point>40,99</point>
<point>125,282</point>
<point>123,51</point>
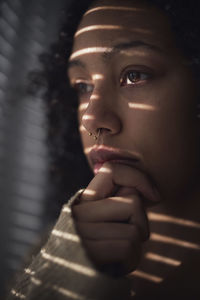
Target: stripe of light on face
<point>169,219</point>
<point>83,106</point>
<point>67,293</point>
<point>68,264</point>
<point>98,27</point>
<point>162,259</point>
<point>169,240</point>
<point>94,97</point>
<point>147,276</point>
<point>87,150</point>
<point>97,77</point>
<point>90,50</point>
<point>142,106</point>
<point>66,235</point>
<point>121,8</point>
<point>88,117</point>
<point>111,27</point>
<point>82,129</point>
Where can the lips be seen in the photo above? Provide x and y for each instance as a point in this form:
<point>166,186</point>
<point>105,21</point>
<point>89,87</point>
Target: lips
<point>101,155</point>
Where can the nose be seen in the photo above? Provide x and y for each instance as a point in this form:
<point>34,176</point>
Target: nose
<point>102,113</point>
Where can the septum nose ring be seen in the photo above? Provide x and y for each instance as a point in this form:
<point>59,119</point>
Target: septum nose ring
<point>95,136</point>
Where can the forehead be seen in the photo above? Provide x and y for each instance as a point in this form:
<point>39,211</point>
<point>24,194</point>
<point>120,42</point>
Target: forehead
<point>111,22</point>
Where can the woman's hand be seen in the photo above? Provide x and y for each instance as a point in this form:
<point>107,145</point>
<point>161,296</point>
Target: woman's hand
<point>110,217</point>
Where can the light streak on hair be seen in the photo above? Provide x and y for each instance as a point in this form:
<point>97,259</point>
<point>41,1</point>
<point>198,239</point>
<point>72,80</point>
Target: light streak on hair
<point>162,259</point>
<point>90,50</point>
<point>169,219</point>
<point>68,264</point>
<point>169,240</point>
<point>66,235</point>
<point>147,276</point>
<point>142,106</point>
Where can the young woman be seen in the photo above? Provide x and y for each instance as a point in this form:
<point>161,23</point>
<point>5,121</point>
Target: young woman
<point>133,232</point>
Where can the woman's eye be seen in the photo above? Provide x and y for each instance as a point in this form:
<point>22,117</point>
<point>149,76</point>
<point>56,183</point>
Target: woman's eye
<point>133,77</point>
<point>83,88</point>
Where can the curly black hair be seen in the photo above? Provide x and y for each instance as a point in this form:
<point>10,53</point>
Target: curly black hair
<point>69,170</point>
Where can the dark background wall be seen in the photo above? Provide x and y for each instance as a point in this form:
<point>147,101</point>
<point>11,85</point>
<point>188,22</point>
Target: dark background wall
<point>26,29</point>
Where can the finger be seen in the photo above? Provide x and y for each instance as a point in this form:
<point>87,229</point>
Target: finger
<point>109,251</point>
<point>127,209</point>
<point>112,176</point>
<point>127,176</point>
<point>121,252</point>
<point>101,186</point>
<point>105,210</point>
<point>105,231</point>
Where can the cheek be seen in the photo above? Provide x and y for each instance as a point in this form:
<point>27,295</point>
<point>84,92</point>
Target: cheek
<point>167,136</point>
<point>87,140</point>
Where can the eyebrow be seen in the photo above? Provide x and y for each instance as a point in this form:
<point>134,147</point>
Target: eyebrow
<point>106,55</point>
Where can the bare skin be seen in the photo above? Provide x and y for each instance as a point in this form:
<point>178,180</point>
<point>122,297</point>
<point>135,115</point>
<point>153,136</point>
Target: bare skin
<point>144,101</point>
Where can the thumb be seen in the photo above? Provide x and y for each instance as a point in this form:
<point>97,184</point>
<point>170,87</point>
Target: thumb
<point>101,186</point>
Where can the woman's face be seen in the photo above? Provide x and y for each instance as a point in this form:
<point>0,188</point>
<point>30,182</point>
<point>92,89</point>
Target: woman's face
<point>136,87</point>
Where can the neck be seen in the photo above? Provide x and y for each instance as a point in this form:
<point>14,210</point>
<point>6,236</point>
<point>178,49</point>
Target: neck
<point>186,207</point>
<point>173,245</point>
